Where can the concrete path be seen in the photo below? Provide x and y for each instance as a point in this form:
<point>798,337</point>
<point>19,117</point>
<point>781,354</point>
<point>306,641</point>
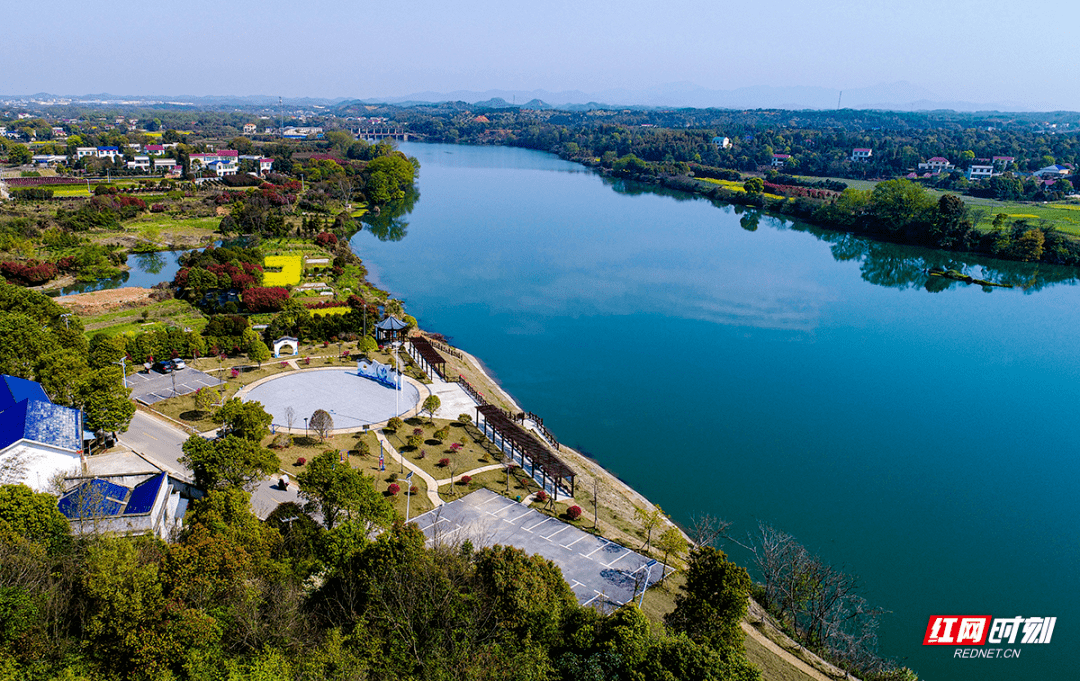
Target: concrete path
<point>429,482</point>
<point>475,471</point>
<point>454,400</point>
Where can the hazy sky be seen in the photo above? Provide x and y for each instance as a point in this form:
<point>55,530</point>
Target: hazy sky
<point>979,50</point>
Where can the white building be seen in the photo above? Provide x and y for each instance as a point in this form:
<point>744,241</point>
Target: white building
<point>249,128</point>
<point>109,152</point>
<point>937,164</point>
<point>127,503</point>
<point>39,440</point>
<point>166,165</point>
<point>140,163</point>
<point>81,152</point>
<point>861,155</point>
<point>980,172</point>
<point>722,142</point>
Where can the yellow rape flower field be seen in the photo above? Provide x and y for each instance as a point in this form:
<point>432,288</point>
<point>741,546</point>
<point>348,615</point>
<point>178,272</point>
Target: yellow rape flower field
<point>292,266</point>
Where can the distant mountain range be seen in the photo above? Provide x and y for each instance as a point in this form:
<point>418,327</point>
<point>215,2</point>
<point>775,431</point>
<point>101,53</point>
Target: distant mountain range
<point>899,96</point>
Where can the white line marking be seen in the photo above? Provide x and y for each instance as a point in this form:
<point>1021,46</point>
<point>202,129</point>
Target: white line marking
<point>555,533</point>
<point>621,555</point>
<point>589,555</point>
<point>566,546</point>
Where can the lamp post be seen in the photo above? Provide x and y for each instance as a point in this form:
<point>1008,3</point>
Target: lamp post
<point>408,494</point>
<point>397,393</point>
<point>123,365</point>
<point>305,427</point>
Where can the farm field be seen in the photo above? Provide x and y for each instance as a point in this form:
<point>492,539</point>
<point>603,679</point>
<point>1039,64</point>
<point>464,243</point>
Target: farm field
<point>292,267</point>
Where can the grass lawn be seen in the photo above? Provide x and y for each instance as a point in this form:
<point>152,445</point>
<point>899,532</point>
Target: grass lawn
<point>477,451</point>
<point>167,312</point>
<point>734,186</point>
<point>330,310</point>
<point>70,190</point>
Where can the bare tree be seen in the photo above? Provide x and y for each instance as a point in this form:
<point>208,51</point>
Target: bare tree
<point>650,520</point>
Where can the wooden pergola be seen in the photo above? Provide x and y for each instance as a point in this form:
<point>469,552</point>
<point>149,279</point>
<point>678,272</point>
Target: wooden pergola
<point>427,356</point>
<point>526,446</point>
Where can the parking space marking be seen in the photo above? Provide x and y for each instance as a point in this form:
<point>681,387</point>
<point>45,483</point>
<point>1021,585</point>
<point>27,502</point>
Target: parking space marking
<point>561,529</point>
<point>621,555</point>
<point>566,546</point>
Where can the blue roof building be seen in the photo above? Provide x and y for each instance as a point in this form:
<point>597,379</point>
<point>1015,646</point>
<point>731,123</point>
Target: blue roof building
<point>38,439</point>
<point>126,504</point>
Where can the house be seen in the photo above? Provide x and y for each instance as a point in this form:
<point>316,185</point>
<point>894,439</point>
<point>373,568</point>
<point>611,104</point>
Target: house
<point>778,160</point>
<point>81,152</point>
<point>135,498</point>
<point>48,159</point>
<point>937,164</point>
<point>59,133</point>
<point>249,128</point>
<point>861,155</point>
<point>39,440</point>
<point>301,133</point>
<point>166,165</point>
<point>722,142</point>
<point>140,163</point>
<point>155,150</point>
<point>980,172</point>
<point>223,168</point>
<point>1003,161</point>
<point>109,152</point>
<point>1052,171</point>
<point>265,164</point>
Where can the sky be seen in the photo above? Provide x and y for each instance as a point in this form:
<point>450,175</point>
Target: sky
<point>974,50</point>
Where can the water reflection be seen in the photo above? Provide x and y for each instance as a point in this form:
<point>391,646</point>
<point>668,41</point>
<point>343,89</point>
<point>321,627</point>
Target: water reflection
<point>887,264</point>
<point>389,224</point>
<point>151,263</point>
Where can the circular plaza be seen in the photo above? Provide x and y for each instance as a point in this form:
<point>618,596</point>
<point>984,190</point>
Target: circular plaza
<point>353,401</point>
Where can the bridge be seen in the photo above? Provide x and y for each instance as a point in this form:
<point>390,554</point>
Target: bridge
<point>376,134</point>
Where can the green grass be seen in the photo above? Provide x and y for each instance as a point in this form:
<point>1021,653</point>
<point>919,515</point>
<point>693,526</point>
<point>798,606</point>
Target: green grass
<point>476,452</point>
<point>70,190</point>
<point>167,312</point>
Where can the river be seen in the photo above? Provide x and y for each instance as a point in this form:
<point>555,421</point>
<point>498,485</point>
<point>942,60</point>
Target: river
<point>914,431</point>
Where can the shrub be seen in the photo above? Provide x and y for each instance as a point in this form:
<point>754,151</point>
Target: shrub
<point>157,208</point>
<point>444,462</point>
<point>265,298</point>
<point>301,461</point>
<point>541,496</point>
<point>395,423</point>
<point>442,433</point>
<point>573,513</point>
<point>393,489</point>
<point>464,418</point>
<point>413,490</point>
<point>325,239</point>
<point>307,361</point>
<point>455,447</point>
<point>465,480</point>
<point>417,431</point>
<point>415,441</point>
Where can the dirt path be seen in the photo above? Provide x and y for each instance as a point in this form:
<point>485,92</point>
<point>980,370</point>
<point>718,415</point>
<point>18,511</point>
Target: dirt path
<point>99,302</point>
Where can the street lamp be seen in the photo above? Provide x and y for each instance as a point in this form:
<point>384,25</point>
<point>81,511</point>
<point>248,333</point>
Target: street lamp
<point>397,394</point>
<point>305,427</point>
<point>123,365</point>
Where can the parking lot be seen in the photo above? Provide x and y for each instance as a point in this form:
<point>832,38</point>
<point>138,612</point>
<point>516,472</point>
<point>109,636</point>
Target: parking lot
<point>596,569</point>
<point>149,387</point>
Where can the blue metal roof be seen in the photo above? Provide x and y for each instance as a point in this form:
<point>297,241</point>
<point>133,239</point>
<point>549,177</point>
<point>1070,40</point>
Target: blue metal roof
<point>144,495</point>
<point>28,414</point>
<point>14,390</point>
<point>93,499</point>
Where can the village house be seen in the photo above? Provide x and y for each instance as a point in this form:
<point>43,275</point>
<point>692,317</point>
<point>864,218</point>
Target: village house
<point>861,155</point>
<point>249,128</point>
<point>722,142</point>
<point>39,440</point>
<point>778,160</point>
<point>980,172</point>
<point>937,164</point>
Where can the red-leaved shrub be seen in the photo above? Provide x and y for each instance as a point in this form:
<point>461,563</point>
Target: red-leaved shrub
<point>573,513</point>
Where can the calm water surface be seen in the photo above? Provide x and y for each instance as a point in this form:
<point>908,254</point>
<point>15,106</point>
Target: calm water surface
<point>725,362</point>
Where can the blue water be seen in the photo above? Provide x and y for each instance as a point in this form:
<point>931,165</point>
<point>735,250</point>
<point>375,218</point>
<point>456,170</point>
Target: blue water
<point>146,269</point>
<point>730,363</point>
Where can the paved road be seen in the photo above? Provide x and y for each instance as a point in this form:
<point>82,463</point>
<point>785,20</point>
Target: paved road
<point>162,443</point>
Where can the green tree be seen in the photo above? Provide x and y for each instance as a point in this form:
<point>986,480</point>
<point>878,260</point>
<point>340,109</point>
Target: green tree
<point>59,373</point>
<point>258,352</point>
<point>335,489</point>
<point>526,594</point>
<point>26,515</point>
<point>671,541</point>
<point>900,204</point>
<point>754,185</point>
<point>106,403</point>
<point>227,462</point>
<point>650,519</point>
<point>206,398</point>
<point>247,420</point>
<point>431,405</point>
<point>105,350</point>
<point>713,601</point>
<point>19,154</point>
